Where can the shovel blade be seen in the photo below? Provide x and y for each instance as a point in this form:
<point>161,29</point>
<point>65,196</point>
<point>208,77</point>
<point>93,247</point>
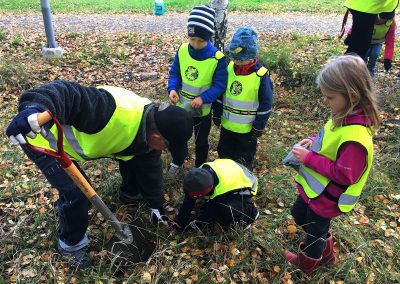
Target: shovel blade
<point>139,250</point>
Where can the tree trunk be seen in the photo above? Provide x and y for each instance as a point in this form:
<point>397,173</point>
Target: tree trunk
<point>220,26</point>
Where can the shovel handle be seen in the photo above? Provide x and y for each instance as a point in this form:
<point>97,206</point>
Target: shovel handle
<point>122,232</point>
<point>62,157</point>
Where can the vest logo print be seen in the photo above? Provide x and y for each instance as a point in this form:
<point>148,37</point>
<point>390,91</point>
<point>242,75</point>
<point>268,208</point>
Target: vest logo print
<point>236,88</point>
<point>191,73</point>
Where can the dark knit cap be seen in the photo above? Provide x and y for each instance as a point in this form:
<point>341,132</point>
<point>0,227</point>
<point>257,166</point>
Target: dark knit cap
<point>201,22</point>
<point>176,125</point>
<point>198,181</point>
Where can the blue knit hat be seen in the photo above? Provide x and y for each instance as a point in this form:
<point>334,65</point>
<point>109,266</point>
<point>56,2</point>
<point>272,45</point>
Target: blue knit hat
<point>201,22</point>
<point>244,45</point>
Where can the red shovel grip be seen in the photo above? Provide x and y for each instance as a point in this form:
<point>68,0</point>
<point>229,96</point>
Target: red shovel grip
<point>60,155</point>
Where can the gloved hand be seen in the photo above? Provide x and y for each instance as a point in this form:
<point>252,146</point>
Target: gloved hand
<point>24,123</point>
<point>192,226</point>
<point>387,64</point>
<point>217,121</point>
<point>255,133</point>
<point>158,217</point>
<point>347,40</point>
<point>177,227</point>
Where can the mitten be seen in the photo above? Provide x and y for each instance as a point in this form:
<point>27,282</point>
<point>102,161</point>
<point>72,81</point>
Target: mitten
<point>158,217</point>
<point>387,64</point>
<point>256,133</point>
<point>24,124</point>
<point>217,121</point>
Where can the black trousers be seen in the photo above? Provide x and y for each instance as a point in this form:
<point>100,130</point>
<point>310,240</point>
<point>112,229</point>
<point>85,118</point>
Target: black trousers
<point>143,174</point>
<point>238,147</point>
<point>316,227</point>
<point>229,209</point>
<point>201,128</point>
<point>361,35</point>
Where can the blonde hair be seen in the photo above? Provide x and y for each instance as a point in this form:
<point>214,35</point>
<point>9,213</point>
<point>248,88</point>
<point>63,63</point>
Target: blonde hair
<point>348,75</point>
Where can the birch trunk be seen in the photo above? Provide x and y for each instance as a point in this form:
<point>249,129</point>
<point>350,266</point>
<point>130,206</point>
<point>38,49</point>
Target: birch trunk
<point>220,26</point>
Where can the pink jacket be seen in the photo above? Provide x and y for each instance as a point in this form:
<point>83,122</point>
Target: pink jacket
<point>389,40</point>
<point>343,172</point>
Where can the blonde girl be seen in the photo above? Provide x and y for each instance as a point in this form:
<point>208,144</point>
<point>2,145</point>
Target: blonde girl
<point>335,163</point>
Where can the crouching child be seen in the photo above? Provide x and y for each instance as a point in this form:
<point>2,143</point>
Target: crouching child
<point>228,188</point>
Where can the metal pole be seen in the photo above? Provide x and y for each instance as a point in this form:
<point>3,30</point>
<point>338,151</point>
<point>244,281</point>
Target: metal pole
<point>51,49</point>
<point>221,19</point>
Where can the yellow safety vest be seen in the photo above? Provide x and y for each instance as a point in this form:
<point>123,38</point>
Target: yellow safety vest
<point>380,32</point>
<point>232,176</point>
<point>240,102</point>
<point>372,6</point>
<point>197,76</point>
<point>327,144</point>
<point>115,137</point>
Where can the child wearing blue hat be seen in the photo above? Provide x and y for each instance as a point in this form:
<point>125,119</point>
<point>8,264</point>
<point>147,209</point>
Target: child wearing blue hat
<point>244,109</point>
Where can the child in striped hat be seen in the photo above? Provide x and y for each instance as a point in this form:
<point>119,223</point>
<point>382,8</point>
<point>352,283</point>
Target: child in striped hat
<point>197,77</point>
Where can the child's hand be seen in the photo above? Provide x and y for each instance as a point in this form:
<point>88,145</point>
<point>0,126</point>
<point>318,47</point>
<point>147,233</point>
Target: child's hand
<point>173,97</point>
<point>300,153</point>
<point>305,142</point>
<point>197,102</point>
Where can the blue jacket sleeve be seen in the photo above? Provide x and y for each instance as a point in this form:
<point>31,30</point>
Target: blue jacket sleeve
<point>218,86</point>
<point>265,103</point>
<point>174,79</point>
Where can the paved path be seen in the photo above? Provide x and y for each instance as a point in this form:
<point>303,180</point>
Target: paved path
<point>172,22</point>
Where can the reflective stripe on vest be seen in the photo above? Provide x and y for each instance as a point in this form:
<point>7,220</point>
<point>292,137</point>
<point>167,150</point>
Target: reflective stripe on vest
<point>327,143</point>
<point>116,136</point>
<point>372,6</point>
<point>380,32</point>
<point>240,102</point>
<point>232,176</point>
<point>196,75</point>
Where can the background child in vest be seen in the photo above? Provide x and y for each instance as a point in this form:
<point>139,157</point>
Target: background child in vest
<point>238,140</point>
<point>233,204</point>
<point>200,29</point>
<point>384,31</point>
<point>353,158</point>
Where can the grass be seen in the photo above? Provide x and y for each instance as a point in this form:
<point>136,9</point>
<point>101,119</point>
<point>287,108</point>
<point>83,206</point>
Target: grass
<point>122,6</point>
<point>368,251</point>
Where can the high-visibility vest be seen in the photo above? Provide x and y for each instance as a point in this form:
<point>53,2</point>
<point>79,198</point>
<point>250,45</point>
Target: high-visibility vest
<point>380,32</point>
<point>327,143</point>
<point>232,176</point>
<point>115,137</point>
<point>197,76</point>
<point>372,6</point>
<point>240,102</point>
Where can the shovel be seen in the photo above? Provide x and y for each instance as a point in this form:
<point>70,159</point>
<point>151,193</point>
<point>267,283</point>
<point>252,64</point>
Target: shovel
<point>129,244</point>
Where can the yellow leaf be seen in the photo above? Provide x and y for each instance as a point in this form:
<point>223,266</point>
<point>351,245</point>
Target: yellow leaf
<point>7,194</point>
<point>146,277</point>
<point>231,262</point>
<point>292,229</point>
<point>277,268</point>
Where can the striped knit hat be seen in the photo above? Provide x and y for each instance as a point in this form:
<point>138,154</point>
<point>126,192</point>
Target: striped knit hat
<point>201,22</point>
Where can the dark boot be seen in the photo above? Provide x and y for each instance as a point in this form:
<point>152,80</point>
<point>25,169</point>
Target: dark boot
<point>303,262</point>
<point>328,257</point>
